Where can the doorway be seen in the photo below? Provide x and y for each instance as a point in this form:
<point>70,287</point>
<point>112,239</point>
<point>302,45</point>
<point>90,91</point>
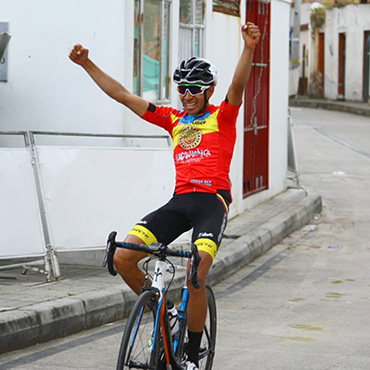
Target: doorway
<point>256,109</point>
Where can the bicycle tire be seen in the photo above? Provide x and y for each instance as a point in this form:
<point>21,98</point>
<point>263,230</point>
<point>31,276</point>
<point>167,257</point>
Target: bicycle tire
<point>135,349</point>
<point>208,343</point>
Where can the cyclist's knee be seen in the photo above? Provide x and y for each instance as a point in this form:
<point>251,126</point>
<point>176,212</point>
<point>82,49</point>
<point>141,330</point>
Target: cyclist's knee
<point>126,260</point>
<point>204,267</point>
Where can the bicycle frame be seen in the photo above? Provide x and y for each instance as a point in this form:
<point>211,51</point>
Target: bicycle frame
<point>161,325</point>
<point>170,347</point>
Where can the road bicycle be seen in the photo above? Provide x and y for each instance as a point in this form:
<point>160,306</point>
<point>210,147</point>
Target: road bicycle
<point>148,341</point>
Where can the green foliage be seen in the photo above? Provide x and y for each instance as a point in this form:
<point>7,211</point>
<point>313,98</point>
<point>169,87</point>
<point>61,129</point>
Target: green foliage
<point>318,16</point>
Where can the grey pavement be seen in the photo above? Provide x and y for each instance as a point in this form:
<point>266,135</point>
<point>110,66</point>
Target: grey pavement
<point>34,311</point>
<point>359,108</point>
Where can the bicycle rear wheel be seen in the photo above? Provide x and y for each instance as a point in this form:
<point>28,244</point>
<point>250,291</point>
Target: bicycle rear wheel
<point>136,350</point>
<point>208,343</point>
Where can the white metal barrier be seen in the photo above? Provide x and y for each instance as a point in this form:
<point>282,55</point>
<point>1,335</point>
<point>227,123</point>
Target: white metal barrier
<point>20,224</point>
<point>67,198</point>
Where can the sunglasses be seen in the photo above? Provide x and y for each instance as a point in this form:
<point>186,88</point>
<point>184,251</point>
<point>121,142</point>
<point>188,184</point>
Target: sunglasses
<point>193,89</point>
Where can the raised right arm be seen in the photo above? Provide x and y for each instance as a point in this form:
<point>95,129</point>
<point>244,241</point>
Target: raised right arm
<point>110,86</point>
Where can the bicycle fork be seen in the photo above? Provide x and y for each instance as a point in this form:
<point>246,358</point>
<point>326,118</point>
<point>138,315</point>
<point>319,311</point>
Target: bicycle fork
<point>162,319</point>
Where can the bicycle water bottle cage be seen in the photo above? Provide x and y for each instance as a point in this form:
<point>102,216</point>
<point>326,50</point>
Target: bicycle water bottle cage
<point>109,253</point>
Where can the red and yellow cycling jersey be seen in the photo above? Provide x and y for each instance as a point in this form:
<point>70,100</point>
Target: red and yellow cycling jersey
<point>203,145</point>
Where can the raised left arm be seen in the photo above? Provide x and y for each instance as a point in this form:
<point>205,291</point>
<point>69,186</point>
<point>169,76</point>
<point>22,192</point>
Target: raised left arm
<point>251,35</point>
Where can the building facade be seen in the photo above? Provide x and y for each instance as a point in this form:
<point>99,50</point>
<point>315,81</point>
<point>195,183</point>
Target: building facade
<point>88,150</point>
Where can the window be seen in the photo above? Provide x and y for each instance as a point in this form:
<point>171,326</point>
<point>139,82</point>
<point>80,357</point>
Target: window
<point>191,31</point>
<point>227,6</point>
<point>151,49</point>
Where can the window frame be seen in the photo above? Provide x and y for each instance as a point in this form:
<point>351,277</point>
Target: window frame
<point>195,27</point>
<point>163,93</point>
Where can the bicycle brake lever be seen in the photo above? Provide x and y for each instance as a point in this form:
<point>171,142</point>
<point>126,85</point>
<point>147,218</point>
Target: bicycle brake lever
<point>109,253</point>
<point>194,264</point>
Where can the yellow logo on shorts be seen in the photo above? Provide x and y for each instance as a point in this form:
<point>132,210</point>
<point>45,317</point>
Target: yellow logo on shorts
<point>207,245</point>
<point>144,234</point>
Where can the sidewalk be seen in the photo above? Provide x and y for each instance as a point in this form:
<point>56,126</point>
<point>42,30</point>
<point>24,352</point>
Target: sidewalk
<point>362,109</point>
<point>33,311</point>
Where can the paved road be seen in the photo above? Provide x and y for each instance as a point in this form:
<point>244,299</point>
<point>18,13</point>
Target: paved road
<point>304,305</point>
<point>310,310</point>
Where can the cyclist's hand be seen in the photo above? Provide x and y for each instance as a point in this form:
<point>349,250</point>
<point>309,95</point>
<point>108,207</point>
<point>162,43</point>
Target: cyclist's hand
<point>251,34</point>
<point>79,54</point>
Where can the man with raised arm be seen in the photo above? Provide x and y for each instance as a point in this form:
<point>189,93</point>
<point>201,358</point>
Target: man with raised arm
<point>203,143</point>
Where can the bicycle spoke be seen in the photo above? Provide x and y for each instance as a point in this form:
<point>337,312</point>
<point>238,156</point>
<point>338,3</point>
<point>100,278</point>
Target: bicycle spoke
<point>137,349</point>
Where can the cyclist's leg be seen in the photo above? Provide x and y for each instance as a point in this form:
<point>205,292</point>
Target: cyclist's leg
<point>209,225</point>
<point>162,225</point>
<point>197,308</point>
<point>126,263</point>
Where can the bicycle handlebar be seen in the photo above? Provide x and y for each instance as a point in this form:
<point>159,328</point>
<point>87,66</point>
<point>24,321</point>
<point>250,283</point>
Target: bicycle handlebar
<point>109,253</point>
<point>157,249</point>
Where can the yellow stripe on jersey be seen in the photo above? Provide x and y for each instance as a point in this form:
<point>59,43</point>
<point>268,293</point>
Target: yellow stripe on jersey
<point>174,118</point>
<point>207,125</point>
<point>144,234</point>
<point>207,245</point>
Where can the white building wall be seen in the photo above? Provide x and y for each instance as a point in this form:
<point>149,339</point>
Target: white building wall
<point>225,58</point>
<point>279,91</point>
<point>352,20</point>
<point>46,91</point>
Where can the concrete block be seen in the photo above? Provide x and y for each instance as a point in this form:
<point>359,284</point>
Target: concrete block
<point>18,329</point>
<point>102,307</point>
<point>59,318</point>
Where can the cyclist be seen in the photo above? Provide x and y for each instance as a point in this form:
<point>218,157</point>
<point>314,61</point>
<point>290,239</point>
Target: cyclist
<point>203,139</point>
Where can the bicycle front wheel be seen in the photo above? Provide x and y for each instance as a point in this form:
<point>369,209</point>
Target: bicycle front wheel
<point>137,350</point>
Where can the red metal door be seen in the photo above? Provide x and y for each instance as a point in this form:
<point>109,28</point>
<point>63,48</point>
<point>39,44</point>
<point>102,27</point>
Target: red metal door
<point>320,65</point>
<point>366,68</point>
<point>341,65</point>
<point>256,108</point>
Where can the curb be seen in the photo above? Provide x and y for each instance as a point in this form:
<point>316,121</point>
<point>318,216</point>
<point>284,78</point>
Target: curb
<point>61,317</point>
<point>58,318</point>
<point>361,109</point>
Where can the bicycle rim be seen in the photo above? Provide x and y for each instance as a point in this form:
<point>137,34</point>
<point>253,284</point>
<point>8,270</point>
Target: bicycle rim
<point>137,350</point>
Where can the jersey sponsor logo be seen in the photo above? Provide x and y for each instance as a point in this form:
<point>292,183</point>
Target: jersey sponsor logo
<point>190,137</point>
<point>203,122</point>
<point>201,182</point>
<point>193,155</point>
<point>189,118</point>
